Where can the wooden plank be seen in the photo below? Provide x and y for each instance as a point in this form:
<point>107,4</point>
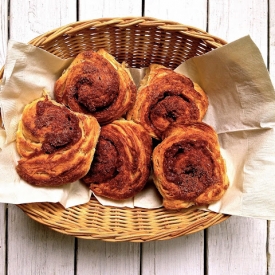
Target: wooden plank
<point>33,248</point>
<point>104,8</point>
<point>271,248</point>
<point>184,255</point>
<point>29,19</point>
<point>3,31</point>
<point>271,224</point>
<point>231,20</point>
<point>188,12</point>
<point>3,48</point>
<point>98,256</point>
<point>272,41</point>
<point>238,246</point>
<point>3,238</point>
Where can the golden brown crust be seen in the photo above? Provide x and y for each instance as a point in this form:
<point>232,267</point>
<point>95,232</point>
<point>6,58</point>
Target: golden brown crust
<point>188,167</point>
<point>166,97</point>
<point>56,145</point>
<point>121,166</point>
<point>96,84</point>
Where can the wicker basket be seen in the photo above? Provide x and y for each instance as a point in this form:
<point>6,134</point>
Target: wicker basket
<point>139,41</point>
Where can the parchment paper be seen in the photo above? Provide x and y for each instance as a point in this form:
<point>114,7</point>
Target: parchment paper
<point>242,111</point>
<point>28,70</point>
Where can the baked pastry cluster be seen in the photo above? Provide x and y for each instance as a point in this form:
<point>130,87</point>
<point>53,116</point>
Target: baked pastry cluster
<point>101,129</point>
<point>188,168</point>
<point>81,133</point>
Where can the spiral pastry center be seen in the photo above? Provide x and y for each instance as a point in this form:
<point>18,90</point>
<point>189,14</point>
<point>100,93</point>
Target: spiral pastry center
<point>106,162</point>
<point>61,127</point>
<point>189,165</point>
<point>172,108</point>
<point>96,84</point>
<point>94,88</point>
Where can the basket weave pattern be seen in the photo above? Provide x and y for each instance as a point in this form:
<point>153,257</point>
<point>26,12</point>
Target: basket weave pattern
<point>139,41</point>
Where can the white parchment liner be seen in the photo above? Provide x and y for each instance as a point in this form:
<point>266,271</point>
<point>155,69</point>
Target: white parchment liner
<point>241,110</point>
<point>28,70</point>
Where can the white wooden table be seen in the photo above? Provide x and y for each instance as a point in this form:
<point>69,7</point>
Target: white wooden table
<point>236,246</point>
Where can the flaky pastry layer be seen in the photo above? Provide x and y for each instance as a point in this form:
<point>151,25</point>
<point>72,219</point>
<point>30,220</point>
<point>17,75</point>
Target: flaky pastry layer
<point>166,97</point>
<point>122,161</point>
<point>56,145</point>
<point>96,84</point>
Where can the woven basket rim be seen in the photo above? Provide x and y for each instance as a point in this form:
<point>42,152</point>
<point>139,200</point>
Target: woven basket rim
<point>44,212</point>
<point>123,22</point>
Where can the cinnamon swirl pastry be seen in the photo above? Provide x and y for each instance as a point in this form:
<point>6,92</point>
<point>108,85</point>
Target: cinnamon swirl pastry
<point>188,167</point>
<point>96,84</point>
<point>166,97</point>
<point>56,145</point>
<point>121,166</point>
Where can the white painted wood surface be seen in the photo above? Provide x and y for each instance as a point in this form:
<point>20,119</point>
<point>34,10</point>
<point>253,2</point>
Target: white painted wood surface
<point>2,238</point>
<point>29,19</point>
<point>183,255</point>
<point>105,8</point>
<point>236,246</point>
<point>188,12</point>
<point>34,249</point>
<point>271,38</point>
<point>3,48</point>
<point>4,30</point>
<point>271,63</point>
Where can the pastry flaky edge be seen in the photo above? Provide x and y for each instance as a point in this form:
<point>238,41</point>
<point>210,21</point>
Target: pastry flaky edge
<point>125,175</point>
<point>174,197</point>
<point>40,167</point>
<point>151,91</point>
<point>119,79</point>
